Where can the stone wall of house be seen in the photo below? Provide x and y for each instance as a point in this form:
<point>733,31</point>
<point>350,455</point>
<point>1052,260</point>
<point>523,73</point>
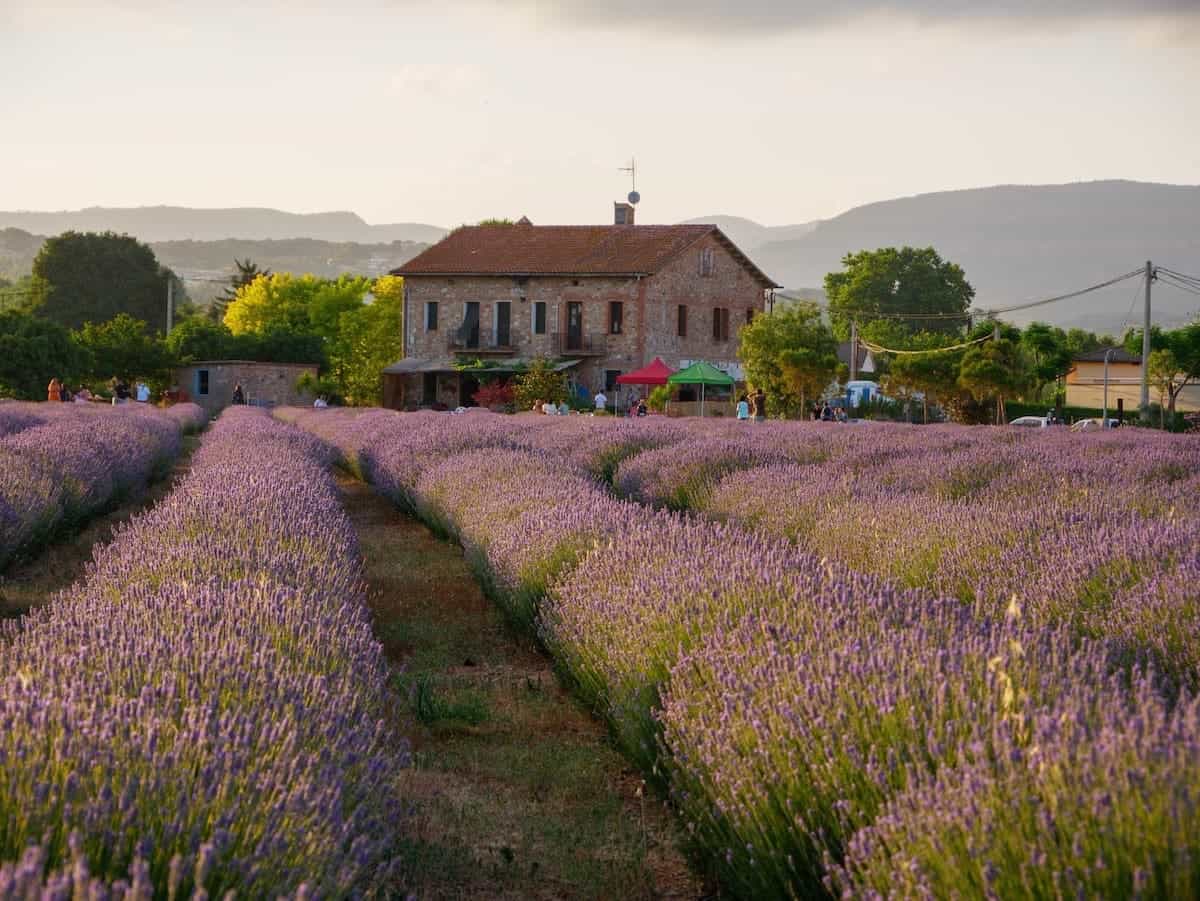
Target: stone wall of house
<point>730,286</point>
<point>649,322</point>
<point>268,384</point>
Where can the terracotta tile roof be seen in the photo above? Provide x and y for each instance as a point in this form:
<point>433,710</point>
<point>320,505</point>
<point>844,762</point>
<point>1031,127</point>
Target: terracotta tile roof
<point>521,249</point>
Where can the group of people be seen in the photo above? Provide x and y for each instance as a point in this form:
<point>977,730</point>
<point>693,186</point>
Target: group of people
<point>58,392</point>
<point>823,412</point>
<point>752,406</point>
<point>550,408</point>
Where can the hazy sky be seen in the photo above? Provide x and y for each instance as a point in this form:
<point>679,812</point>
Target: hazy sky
<point>446,111</point>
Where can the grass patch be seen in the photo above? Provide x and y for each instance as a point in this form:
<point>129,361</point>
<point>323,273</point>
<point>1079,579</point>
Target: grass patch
<point>517,790</point>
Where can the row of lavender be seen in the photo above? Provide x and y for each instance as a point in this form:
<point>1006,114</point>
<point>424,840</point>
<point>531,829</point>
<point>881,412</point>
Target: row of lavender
<point>205,713</point>
<point>62,463</point>
<point>828,726</point>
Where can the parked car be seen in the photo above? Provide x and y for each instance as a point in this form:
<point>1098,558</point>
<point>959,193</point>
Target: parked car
<point>1094,424</point>
<point>1031,422</point>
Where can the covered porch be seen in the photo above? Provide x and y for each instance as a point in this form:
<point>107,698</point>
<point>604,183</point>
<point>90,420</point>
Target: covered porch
<point>445,385</point>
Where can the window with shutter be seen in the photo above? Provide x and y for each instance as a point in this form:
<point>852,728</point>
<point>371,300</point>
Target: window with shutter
<point>682,327</point>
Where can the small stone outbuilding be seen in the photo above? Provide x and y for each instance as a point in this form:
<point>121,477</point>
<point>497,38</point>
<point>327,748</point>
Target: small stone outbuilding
<point>210,383</point>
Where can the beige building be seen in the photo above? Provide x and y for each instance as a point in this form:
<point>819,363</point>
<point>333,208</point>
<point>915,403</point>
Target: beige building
<point>1085,382</point>
<point>211,383</point>
<point>601,300</point>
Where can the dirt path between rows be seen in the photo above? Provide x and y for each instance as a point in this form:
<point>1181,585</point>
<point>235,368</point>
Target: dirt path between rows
<point>34,581</point>
<point>517,790</point>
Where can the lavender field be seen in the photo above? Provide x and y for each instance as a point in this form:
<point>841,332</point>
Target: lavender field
<point>62,463</point>
<point>866,661</point>
<point>205,714</point>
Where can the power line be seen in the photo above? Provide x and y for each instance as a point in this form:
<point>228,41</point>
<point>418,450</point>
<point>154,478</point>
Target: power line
<point>983,312</point>
<point>1178,284</point>
<point>1057,298</point>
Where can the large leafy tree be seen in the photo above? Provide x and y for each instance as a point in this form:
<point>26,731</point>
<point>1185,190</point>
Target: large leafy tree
<point>299,304</point>
<point>350,326</point>
<point>32,352</point>
<point>201,339</point>
<point>368,339</point>
<point>94,277</point>
<point>790,353</point>
<point>247,272</point>
<point>878,285</point>
<point>993,371</point>
<point>1179,348</point>
<point>124,348</point>
<point>1049,353</point>
<point>933,373</point>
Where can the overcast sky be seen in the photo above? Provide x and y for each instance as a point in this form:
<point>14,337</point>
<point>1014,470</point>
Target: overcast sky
<point>446,112</point>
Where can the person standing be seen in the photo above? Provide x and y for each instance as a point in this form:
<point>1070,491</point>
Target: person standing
<point>238,396</point>
<point>601,401</point>
<point>54,390</point>
<point>143,393</point>
<point>760,405</point>
<point>743,409</point>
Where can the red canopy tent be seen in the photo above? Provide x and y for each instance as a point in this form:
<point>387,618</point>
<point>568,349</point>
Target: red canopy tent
<point>655,373</point>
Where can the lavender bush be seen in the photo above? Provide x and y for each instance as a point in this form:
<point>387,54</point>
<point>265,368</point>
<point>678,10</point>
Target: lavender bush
<point>206,712</point>
<point>889,660</point>
<point>77,461</point>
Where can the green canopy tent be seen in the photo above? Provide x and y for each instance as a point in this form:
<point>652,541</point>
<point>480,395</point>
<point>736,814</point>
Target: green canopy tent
<point>702,374</point>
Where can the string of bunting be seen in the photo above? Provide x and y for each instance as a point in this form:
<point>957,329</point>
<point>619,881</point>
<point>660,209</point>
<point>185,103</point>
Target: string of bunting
<point>878,349</point>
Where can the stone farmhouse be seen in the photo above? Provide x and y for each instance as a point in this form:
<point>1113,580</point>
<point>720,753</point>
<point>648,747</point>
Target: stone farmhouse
<point>600,300</point>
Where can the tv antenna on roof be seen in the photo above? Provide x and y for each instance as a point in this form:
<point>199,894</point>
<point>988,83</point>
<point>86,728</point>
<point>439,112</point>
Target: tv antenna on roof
<point>634,196</point>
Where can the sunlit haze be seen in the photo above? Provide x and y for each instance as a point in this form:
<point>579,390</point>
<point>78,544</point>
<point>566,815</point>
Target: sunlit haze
<point>451,112</point>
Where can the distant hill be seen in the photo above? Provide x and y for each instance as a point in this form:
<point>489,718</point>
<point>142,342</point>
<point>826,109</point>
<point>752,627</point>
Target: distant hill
<point>1019,243</point>
<point>205,266</point>
<point>1016,243</point>
<point>199,263</point>
<point>171,223</point>
<point>749,235</point>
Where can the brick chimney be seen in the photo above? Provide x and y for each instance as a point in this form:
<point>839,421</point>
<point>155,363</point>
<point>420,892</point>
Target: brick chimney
<point>622,213</point>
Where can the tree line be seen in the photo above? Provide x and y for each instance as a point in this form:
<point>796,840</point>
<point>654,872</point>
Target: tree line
<point>94,310</point>
<point>910,299</point>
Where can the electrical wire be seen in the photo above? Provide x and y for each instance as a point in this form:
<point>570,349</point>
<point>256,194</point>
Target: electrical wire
<point>1179,283</point>
<point>986,313</point>
<point>1057,298</point>
<point>1181,275</point>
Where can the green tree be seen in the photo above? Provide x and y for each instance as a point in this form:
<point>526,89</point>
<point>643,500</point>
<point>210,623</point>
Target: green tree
<point>1179,348</point>
<point>993,371</point>
<point>368,339</point>
<point>539,383</point>
<point>933,375</point>
<point>201,339</point>
<point>789,353</point>
<point>93,277</point>
<point>124,348</point>
<point>1049,353</point>
<point>247,272</point>
<point>297,304</point>
<point>1163,373</point>
<point>880,284</point>
<point>32,352</point>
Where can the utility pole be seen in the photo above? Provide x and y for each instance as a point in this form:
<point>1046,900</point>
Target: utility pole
<point>853,350</point>
<point>170,302</point>
<point>1144,406</point>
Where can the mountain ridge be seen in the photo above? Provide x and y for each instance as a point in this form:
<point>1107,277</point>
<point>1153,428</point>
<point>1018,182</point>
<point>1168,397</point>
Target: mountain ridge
<point>179,223</point>
<point>1015,242</point>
